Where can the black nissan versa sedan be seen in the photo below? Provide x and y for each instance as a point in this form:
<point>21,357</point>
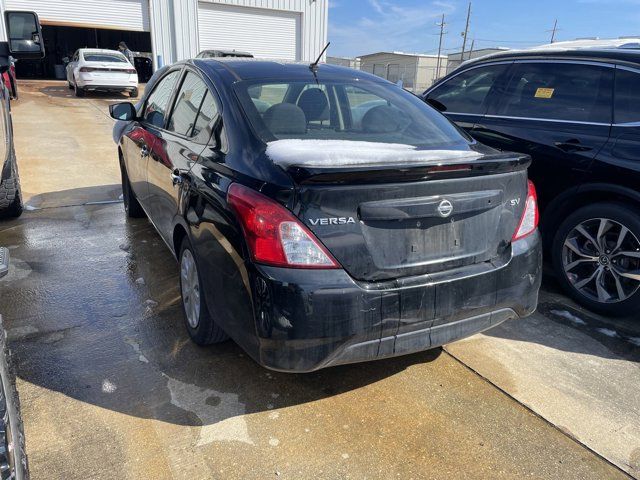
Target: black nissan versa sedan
<point>577,113</point>
<point>347,221</point>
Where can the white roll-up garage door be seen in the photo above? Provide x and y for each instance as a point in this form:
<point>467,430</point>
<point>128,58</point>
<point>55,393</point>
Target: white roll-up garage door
<point>261,32</point>
<point>115,14</point>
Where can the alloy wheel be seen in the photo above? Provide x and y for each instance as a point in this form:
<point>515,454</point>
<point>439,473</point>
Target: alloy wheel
<point>190,285</point>
<point>601,260</point>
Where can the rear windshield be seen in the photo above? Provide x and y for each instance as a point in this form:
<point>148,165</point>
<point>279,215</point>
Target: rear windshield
<point>352,110</point>
<point>104,57</point>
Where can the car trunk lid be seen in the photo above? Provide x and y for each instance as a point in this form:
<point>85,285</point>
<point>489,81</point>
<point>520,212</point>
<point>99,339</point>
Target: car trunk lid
<point>387,222</point>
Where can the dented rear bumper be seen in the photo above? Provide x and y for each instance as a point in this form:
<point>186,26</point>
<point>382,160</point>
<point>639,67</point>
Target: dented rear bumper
<point>307,320</point>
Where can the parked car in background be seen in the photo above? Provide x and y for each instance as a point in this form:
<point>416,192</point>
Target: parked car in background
<point>576,111</point>
<point>223,53</point>
<point>312,241</point>
<point>93,69</point>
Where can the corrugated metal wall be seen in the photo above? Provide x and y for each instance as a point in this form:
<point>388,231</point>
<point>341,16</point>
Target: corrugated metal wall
<point>274,34</point>
<point>119,14</point>
<point>174,30</point>
<point>173,23</point>
<point>314,20</point>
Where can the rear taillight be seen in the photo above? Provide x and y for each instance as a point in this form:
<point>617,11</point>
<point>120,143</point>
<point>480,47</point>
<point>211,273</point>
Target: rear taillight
<point>87,69</point>
<point>131,71</point>
<point>530,216</point>
<point>274,235</point>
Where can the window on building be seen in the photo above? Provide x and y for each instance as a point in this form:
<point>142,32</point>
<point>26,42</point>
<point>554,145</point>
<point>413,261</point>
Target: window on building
<point>557,91</point>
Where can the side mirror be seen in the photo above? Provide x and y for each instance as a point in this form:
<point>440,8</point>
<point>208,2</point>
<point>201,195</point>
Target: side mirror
<point>123,111</point>
<point>436,104</point>
<point>24,34</point>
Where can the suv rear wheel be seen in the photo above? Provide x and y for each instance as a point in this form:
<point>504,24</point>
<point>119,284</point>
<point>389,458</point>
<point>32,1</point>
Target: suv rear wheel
<point>596,255</point>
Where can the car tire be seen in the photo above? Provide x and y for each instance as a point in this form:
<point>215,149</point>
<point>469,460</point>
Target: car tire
<point>11,205</point>
<point>70,85</point>
<point>13,456</point>
<point>79,91</point>
<point>202,328</point>
<point>131,204</point>
<point>133,93</point>
<point>596,257</point>
<point>14,88</point>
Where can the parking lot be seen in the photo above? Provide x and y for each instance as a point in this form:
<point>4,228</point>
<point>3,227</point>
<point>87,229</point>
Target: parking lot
<point>111,386</point>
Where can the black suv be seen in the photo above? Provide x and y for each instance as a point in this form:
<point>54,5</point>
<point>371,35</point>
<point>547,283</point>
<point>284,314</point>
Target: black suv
<point>577,113</point>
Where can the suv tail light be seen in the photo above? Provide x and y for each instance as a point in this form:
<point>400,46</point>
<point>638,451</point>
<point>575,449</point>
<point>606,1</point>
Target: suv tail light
<point>530,216</point>
<point>274,236</point>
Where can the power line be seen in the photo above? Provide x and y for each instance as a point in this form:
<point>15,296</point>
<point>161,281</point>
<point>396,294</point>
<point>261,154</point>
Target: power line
<point>442,32</point>
<point>466,31</point>
<point>554,31</point>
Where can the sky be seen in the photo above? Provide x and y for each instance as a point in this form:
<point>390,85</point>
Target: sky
<point>358,27</point>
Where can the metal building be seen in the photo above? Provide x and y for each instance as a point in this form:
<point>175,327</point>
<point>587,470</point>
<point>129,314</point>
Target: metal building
<point>455,59</point>
<point>172,30</point>
<point>416,71</point>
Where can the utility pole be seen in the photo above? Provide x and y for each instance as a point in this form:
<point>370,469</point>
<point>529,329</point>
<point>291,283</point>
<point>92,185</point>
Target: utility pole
<point>473,43</point>
<point>466,32</point>
<point>553,32</point>
<point>441,25</point>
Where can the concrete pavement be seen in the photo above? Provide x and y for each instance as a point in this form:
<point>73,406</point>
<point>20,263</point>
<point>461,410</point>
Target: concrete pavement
<point>111,386</point>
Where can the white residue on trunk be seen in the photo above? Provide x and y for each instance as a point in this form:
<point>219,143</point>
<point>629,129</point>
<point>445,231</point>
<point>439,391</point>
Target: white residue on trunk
<point>346,153</point>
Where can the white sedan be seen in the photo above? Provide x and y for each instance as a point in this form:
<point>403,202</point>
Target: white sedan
<point>93,69</point>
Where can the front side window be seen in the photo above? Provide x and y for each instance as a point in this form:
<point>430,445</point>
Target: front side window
<point>157,104</point>
<point>467,92</point>
<point>188,104</point>
<point>559,91</point>
<point>352,110</point>
<point>627,102</point>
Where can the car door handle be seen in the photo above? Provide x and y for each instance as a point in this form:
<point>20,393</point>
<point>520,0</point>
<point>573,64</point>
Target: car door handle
<point>144,151</point>
<point>177,177</point>
<point>572,145</point>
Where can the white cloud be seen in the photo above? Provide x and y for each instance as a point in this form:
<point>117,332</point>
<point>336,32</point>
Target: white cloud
<point>390,26</point>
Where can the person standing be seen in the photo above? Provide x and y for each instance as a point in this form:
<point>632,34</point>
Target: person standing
<point>122,47</point>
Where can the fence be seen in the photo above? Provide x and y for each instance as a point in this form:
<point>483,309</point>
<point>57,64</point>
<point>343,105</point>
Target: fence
<point>414,78</point>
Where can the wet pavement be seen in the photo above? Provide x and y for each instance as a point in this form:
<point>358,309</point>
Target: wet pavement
<point>111,386</point>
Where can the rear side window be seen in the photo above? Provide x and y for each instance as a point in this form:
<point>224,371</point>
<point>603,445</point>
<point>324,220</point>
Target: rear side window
<point>157,104</point>
<point>188,103</point>
<point>559,91</point>
<point>467,92</point>
<point>627,103</point>
<point>208,112</point>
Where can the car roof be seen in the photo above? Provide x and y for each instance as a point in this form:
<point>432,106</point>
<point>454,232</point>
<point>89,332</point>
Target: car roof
<point>251,68</point>
<point>99,50</point>
<point>225,52</point>
<point>595,53</point>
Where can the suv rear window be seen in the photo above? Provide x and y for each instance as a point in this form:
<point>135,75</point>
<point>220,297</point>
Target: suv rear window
<point>559,91</point>
<point>627,103</point>
<point>351,110</point>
